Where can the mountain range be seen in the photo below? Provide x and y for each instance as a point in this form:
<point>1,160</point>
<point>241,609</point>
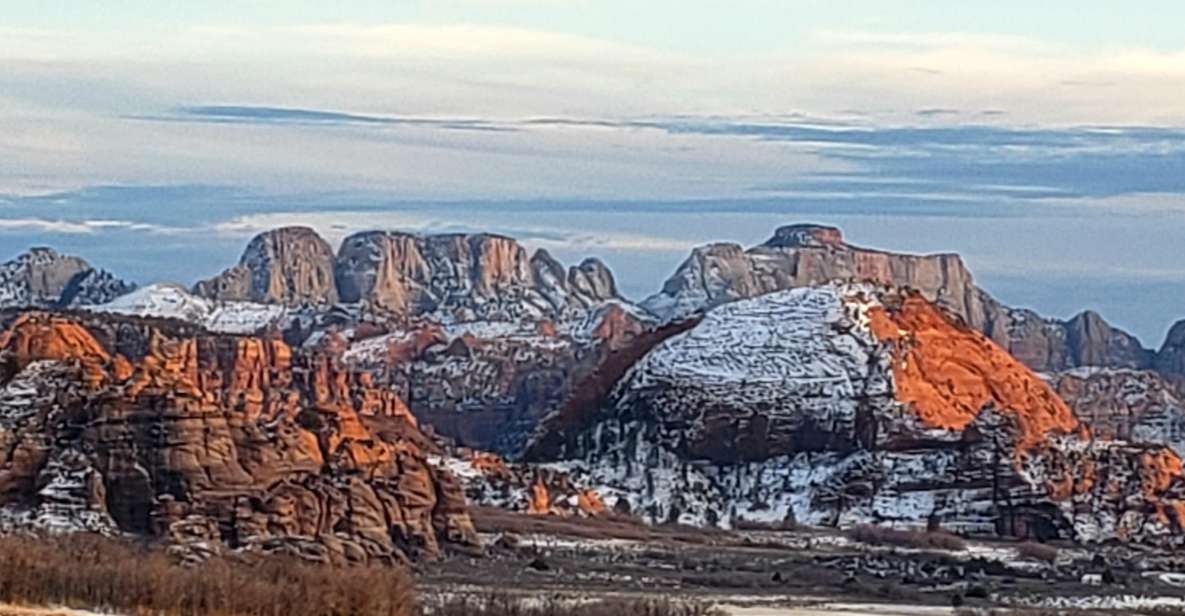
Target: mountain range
<point>345,405</point>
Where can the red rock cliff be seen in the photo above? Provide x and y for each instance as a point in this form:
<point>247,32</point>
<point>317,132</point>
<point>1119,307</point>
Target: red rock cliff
<point>237,441</point>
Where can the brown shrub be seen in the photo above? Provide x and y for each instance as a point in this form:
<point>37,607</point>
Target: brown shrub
<point>608,526</point>
<point>88,571</point>
<point>918,539</point>
<point>1037,551</point>
<point>754,525</point>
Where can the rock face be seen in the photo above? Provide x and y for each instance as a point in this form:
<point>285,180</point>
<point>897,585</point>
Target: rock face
<point>845,404</point>
<point>487,384</point>
<point>1123,404</point>
<point>806,255</point>
<point>44,278</point>
<point>1170,360</point>
<point>204,440</point>
<point>290,265</point>
<point>465,277</point>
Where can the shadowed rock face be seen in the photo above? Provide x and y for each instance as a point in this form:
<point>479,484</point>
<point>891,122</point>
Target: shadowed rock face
<point>843,405</point>
<point>45,278</point>
<point>487,384</point>
<point>806,255</point>
<point>1170,360</point>
<point>193,438</point>
<point>289,265</point>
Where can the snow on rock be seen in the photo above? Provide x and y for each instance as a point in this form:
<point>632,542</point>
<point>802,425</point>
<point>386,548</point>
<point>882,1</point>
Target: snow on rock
<point>69,487</point>
<point>174,302</point>
<point>45,278</point>
<point>786,407</point>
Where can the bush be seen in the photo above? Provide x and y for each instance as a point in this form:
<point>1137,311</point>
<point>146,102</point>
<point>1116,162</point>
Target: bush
<point>1037,551</point>
<point>922,540</point>
<point>754,525</point>
<point>88,571</point>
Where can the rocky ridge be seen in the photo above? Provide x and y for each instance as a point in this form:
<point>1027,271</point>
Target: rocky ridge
<point>451,277</point>
<point>465,277</point>
<point>44,278</point>
<point>807,255</point>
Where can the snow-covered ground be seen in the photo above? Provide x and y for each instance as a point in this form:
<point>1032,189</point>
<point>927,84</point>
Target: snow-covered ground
<point>174,302</point>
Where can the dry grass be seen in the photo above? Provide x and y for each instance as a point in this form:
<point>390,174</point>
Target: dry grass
<point>917,539</point>
<point>92,572</point>
<point>1037,551</point>
<point>503,605</point>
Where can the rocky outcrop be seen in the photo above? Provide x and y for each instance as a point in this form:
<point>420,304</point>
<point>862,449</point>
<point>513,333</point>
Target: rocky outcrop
<point>806,255</point>
<point>948,375</point>
<point>465,277</point>
<point>1170,360</point>
<point>115,424</point>
<point>290,265</point>
<point>44,278</point>
<point>1124,404</point>
<point>487,384</point>
<point>845,405</point>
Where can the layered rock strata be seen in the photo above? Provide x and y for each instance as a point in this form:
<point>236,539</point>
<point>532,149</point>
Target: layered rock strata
<point>113,424</point>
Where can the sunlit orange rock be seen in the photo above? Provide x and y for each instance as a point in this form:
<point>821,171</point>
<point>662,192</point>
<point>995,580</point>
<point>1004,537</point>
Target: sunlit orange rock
<point>539,502</point>
<point>948,374</point>
<point>245,434</point>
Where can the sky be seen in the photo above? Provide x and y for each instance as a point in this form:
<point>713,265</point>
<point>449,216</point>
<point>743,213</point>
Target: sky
<point>1046,144</point>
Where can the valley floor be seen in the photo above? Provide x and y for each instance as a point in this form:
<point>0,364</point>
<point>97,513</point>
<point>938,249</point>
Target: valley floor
<point>800,572</point>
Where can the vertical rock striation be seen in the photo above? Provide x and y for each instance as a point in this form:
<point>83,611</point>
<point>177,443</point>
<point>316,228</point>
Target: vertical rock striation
<point>207,440</point>
<point>290,265</point>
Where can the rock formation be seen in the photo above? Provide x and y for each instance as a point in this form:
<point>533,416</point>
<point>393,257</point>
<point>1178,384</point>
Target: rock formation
<point>116,424</point>
<point>44,278</point>
<point>806,255</point>
<point>487,384</point>
<point>1124,404</point>
<point>290,265</point>
<point>843,405</point>
<point>1170,360</point>
<point>465,277</point>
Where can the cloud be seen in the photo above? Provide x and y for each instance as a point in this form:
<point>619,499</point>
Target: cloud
<point>73,227</point>
<point>312,117</point>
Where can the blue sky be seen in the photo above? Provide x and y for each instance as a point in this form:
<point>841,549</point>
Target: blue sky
<point>1045,143</point>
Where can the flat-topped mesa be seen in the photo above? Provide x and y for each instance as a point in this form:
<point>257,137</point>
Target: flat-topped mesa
<point>808,255</point>
<point>464,276</point>
<point>806,235</point>
<point>44,278</point>
<point>289,265</point>
<point>804,255</point>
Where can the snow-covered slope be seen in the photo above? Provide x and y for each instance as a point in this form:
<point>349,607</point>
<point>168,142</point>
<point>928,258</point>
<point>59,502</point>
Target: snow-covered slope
<point>842,405</point>
<point>174,302</point>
